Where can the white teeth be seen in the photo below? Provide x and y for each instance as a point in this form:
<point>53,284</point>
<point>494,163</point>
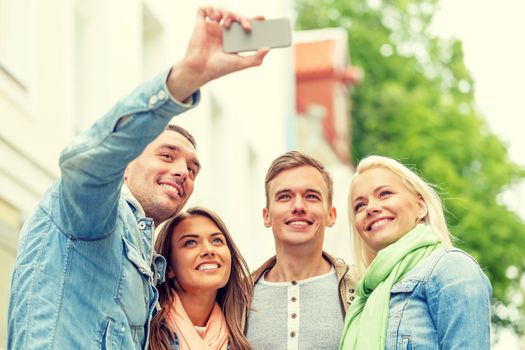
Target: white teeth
<point>171,189</point>
<point>379,223</point>
<point>298,223</point>
<point>208,267</point>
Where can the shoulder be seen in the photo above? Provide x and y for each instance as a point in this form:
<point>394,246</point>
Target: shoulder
<point>450,260</point>
<point>256,275</point>
<point>455,267</point>
<point>344,271</point>
<point>346,279</point>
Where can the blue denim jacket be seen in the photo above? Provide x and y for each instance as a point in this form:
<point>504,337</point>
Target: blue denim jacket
<point>443,303</point>
<point>85,271</point>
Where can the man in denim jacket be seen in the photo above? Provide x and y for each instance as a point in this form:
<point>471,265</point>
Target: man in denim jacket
<point>85,273</point>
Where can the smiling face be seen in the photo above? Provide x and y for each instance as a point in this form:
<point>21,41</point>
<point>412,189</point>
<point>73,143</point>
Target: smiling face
<point>200,259</point>
<point>383,208</point>
<point>162,177</point>
<point>298,209</point>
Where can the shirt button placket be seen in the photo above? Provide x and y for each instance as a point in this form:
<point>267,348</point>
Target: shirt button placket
<point>293,314</point>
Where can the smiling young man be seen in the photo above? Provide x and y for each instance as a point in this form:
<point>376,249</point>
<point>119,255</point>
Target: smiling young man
<point>301,294</point>
<point>86,272</point>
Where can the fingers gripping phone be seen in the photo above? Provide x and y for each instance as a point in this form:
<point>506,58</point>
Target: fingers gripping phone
<point>265,33</point>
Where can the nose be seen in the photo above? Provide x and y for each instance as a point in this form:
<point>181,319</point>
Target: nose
<point>298,205</point>
<point>179,169</point>
<point>207,250</point>
<point>372,208</point>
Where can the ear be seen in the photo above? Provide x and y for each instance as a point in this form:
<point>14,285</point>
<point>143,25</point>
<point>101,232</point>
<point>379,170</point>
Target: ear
<point>422,209</point>
<point>332,215</point>
<point>266,217</point>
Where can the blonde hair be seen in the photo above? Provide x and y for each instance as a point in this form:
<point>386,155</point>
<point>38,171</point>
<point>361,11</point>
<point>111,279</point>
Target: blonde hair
<point>435,216</point>
<point>234,298</point>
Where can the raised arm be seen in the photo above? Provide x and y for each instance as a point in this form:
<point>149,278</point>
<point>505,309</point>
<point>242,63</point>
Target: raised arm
<point>92,167</point>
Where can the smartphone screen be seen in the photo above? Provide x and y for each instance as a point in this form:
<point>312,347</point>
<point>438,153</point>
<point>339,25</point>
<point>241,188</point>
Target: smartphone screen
<point>266,33</point>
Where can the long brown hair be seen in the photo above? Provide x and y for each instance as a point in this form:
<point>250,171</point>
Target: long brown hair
<point>234,298</point>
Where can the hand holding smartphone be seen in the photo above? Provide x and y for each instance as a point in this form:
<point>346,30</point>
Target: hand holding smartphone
<point>265,33</point>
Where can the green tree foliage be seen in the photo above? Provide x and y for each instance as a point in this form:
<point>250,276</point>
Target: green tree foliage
<point>416,104</point>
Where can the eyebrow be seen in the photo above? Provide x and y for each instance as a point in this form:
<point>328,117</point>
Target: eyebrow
<point>174,148</point>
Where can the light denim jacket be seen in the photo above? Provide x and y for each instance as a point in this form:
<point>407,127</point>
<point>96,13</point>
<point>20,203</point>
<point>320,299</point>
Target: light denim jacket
<point>443,303</point>
<point>85,271</point>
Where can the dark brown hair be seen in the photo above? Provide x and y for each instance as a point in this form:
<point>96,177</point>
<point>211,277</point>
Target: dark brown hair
<point>183,132</point>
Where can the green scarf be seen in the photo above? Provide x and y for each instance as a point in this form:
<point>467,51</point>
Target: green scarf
<point>367,318</point>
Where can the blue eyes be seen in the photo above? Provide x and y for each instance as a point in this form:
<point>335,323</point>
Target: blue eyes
<point>381,195</point>
<point>287,197</point>
<point>359,206</point>
<point>189,243</point>
<point>217,241</point>
<point>384,193</point>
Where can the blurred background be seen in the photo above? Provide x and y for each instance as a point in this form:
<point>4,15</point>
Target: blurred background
<point>435,84</point>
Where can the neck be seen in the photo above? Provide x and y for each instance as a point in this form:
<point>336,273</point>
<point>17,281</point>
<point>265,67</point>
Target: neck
<point>297,264</point>
<point>198,305</point>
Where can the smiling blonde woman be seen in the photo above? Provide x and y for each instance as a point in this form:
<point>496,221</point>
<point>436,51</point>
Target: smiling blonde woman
<point>416,290</point>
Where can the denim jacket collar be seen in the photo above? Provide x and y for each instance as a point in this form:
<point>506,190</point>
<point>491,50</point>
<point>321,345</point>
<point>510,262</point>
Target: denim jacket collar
<point>134,204</point>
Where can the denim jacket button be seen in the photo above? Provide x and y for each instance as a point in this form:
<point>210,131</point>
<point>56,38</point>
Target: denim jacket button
<point>152,100</point>
<point>161,95</point>
<point>142,225</point>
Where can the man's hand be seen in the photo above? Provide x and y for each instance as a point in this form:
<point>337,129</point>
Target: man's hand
<point>205,58</point>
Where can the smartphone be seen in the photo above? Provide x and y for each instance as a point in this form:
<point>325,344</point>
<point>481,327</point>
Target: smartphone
<point>272,33</point>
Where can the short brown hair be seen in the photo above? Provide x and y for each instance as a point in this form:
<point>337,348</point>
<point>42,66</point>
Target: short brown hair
<point>183,132</point>
<point>296,159</point>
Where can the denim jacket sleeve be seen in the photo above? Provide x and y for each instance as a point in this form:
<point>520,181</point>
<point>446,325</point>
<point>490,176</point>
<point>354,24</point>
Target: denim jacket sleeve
<point>92,167</point>
<point>458,295</point>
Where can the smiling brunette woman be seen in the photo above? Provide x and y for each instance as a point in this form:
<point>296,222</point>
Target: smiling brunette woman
<point>207,292</point>
<point>415,288</point>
